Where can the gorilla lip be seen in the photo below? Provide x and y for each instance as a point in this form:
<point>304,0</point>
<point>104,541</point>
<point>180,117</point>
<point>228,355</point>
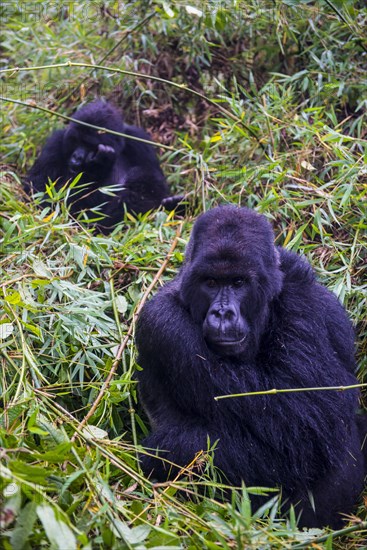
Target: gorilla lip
<point>229,342</point>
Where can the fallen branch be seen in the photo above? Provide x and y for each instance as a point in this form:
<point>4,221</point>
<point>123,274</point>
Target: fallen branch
<point>123,345</point>
<point>291,390</point>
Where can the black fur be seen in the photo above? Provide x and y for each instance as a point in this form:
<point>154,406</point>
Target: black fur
<point>243,316</point>
<point>105,160</point>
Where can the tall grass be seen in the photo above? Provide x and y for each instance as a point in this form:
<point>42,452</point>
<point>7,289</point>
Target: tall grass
<point>278,123</point>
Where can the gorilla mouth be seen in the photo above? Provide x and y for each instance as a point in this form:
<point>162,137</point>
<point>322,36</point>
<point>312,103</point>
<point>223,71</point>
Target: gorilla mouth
<point>226,347</point>
<point>229,343</point>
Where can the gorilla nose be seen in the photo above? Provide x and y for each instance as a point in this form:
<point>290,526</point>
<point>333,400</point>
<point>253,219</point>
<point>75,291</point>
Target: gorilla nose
<point>223,313</point>
<point>222,317</point>
<point>76,160</point>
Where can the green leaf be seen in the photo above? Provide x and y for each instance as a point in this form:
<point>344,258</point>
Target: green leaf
<point>57,455</point>
<point>34,329</point>
<point>36,430</point>
<point>168,10</point>
<point>121,304</point>
<point>191,10</point>
<point>6,329</point>
<point>24,525</point>
<point>135,535</point>
<point>91,431</point>
<point>41,269</point>
<point>32,424</point>
<point>33,474</point>
<point>58,533</point>
<point>13,298</point>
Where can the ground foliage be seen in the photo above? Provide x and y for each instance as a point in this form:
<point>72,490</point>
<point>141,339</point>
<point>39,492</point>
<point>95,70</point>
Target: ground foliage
<point>263,104</point>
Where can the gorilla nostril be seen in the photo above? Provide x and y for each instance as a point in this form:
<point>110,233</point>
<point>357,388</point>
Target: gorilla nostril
<point>216,313</point>
<point>229,314</point>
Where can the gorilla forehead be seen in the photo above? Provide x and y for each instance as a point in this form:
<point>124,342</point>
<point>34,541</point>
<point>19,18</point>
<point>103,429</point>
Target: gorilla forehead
<point>231,235</point>
<point>234,225</point>
<point>223,261</point>
<point>100,113</point>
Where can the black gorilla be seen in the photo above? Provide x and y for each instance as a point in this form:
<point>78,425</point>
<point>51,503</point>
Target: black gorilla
<point>244,316</point>
<point>105,159</point>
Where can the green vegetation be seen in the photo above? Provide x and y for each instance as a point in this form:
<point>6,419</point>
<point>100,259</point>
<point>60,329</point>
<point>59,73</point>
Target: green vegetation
<point>277,122</point>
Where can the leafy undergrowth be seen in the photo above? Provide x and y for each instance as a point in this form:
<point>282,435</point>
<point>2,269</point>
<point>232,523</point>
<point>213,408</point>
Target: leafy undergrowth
<point>282,130</point>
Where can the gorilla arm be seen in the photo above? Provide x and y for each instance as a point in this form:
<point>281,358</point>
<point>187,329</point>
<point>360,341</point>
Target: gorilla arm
<point>175,386</point>
<point>146,185</point>
<point>50,165</point>
<point>172,350</point>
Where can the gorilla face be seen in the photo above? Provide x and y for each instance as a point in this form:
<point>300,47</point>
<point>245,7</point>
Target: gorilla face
<point>77,160</point>
<point>229,280</point>
<point>90,151</point>
<point>229,305</point>
<point>225,328</point>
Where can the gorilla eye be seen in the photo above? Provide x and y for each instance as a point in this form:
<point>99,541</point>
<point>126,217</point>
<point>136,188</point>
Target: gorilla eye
<point>211,283</point>
<point>238,282</point>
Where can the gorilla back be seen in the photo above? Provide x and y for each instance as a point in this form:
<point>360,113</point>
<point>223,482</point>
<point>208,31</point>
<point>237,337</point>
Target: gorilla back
<point>128,166</point>
<point>245,316</point>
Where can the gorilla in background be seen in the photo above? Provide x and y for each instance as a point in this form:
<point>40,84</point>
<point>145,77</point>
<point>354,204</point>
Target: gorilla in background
<point>106,160</point>
<point>242,316</point>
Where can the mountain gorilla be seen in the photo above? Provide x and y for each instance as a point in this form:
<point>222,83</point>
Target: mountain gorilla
<point>128,166</point>
<point>245,316</point>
